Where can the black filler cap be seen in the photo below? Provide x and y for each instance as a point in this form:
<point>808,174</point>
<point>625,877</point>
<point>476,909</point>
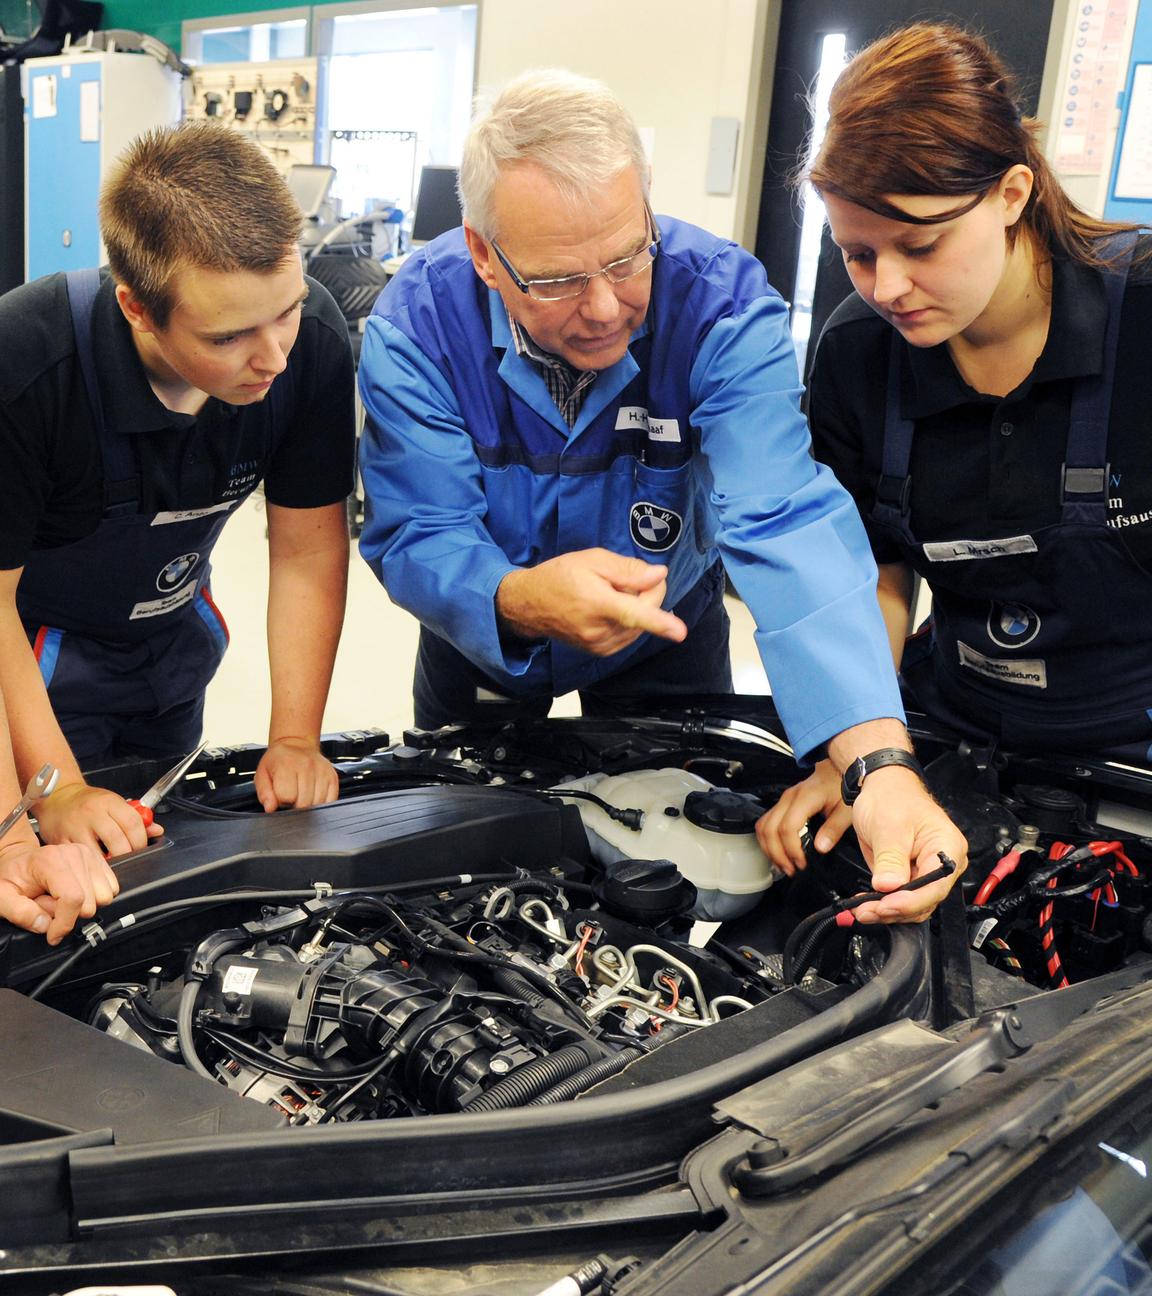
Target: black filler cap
<point>721,811</point>
<point>645,891</point>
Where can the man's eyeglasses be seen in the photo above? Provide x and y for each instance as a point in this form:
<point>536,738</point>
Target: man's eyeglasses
<point>573,285</point>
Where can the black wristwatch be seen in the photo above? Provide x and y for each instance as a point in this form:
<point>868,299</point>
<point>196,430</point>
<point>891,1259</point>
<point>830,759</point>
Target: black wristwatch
<point>852,784</point>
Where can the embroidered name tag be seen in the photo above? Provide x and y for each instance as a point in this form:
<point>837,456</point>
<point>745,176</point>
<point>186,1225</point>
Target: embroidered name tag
<point>958,550</point>
<point>636,416</point>
<point>162,606</point>
<point>189,515</point>
<point>663,429</point>
<point>1031,673</point>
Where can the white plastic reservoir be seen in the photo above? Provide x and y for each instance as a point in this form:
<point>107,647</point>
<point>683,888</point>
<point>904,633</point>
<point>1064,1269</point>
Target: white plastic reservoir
<point>725,863</point>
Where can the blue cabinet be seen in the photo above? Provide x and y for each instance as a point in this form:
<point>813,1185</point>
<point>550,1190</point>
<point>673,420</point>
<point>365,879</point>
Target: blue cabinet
<point>80,112</point>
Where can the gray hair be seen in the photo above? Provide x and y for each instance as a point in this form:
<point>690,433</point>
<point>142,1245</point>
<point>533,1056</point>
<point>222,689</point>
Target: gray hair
<point>572,127</point>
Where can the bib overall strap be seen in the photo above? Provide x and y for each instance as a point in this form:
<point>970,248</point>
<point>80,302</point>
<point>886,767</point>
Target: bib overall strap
<point>894,489</point>
<point>121,478</point>
<point>1086,470</point>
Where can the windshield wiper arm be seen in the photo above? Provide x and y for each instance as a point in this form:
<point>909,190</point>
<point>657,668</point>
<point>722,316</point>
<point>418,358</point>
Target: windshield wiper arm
<point>1023,1121</point>
<point>1000,1036</point>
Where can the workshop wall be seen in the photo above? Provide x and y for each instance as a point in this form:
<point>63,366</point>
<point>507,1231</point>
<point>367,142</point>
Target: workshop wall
<point>683,90</point>
<point>707,131</point>
<point>691,120</point>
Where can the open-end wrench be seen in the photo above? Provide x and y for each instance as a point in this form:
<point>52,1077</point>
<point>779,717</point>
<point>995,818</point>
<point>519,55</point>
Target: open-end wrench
<point>41,784</point>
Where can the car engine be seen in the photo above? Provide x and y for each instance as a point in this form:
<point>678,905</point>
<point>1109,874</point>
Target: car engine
<point>363,1005</point>
<point>616,908</point>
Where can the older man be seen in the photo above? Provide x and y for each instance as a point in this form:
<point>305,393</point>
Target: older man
<point>573,410</point>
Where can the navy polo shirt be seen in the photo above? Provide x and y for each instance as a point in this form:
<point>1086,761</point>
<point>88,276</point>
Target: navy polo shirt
<point>985,466</point>
<point>50,461</point>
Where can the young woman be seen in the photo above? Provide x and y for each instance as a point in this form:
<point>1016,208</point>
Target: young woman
<point>986,396</point>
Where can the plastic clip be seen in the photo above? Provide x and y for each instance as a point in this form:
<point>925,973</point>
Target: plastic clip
<point>93,933</point>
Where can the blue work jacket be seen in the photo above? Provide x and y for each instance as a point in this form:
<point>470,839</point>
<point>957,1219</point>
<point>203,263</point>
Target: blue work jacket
<point>691,446</point>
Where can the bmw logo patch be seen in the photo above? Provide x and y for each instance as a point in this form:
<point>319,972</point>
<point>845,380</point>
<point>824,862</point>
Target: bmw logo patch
<point>654,528</point>
<point>176,572</point>
<point>1012,625</point>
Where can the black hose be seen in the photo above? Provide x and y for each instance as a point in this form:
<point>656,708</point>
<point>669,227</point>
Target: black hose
<point>348,1094</point>
<point>523,1084</point>
<point>265,1061</point>
<point>802,943</point>
<point>630,818</point>
<point>809,932</point>
<point>511,982</point>
<point>574,1085</point>
<point>464,952</point>
<point>133,922</point>
<point>58,971</point>
<point>184,1017</point>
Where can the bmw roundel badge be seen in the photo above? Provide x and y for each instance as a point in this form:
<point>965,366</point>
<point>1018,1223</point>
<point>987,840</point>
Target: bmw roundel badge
<point>654,528</point>
<point>1012,625</point>
<point>176,572</point>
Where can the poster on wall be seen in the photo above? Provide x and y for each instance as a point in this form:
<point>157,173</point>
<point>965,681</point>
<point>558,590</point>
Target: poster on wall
<point>1134,172</point>
<point>1094,72</point>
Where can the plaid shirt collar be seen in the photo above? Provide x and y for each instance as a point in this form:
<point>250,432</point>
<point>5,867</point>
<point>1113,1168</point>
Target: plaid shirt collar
<point>566,384</point>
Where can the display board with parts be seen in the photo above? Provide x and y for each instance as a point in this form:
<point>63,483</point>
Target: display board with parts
<point>273,103</point>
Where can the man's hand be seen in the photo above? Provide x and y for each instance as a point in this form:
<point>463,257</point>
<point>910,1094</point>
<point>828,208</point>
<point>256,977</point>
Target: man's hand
<point>900,828</point>
<point>46,888</point>
<point>779,831</point>
<point>591,599</point>
<point>292,772</point>
<point>92,816</point>
<point>897,821</point>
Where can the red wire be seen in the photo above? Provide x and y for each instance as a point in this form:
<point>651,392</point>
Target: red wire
<point>584,939</point>
<point>1121,862</point>
<point>1114,848</point>
<point>1048,937</point>
<point>1005,865</point>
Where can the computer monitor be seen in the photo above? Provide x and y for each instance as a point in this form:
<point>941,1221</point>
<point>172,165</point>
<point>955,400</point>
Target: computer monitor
<point>309,185</point>
<point>437,206</point>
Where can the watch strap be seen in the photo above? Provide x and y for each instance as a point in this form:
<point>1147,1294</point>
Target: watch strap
<point>852,784</point>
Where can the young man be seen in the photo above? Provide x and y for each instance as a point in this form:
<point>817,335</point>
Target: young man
<point>137,410</point>
<point>572,410</point>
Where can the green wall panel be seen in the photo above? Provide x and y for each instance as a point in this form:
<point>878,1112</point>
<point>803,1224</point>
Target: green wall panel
<point>162,18</point>
<point>18,17</point>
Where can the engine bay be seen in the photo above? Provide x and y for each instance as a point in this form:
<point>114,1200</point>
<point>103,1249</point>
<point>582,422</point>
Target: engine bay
<point>529,915</point>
